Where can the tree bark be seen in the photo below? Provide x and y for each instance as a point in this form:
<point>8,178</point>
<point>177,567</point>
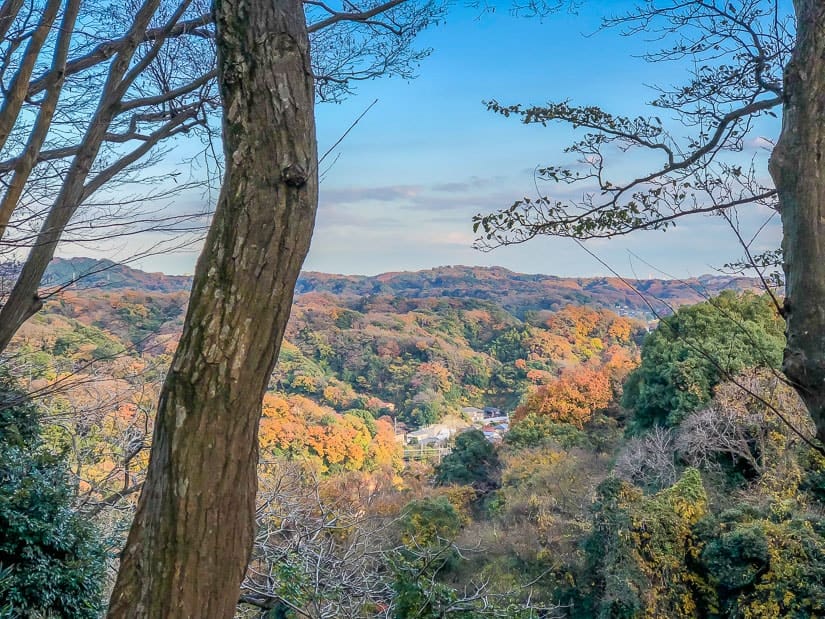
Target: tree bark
<point>798,169</point>
<point>192,536</point>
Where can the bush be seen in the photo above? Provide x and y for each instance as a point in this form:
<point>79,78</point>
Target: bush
<point>640,547</point>
<point>51,561</point>
<point>734,559</point>
<point>763,566</point>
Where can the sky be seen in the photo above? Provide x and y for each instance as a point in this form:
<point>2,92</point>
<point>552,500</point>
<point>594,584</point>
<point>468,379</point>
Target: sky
<point>410,175</point>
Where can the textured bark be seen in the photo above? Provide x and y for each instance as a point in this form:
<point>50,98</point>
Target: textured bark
<point>192,536</point>
<point>798,169</point>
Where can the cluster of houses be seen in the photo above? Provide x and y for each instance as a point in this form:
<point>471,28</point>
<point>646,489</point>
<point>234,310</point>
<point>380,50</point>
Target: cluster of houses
<point>490,420</point>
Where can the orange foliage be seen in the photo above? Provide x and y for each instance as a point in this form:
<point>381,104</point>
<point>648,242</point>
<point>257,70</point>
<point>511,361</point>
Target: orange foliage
<point>298,427</point>
<point>619,362</point>
<point>577,333</point>
<point>335,396</point>
<point>478,316</point>
<point>572,398</point>
<point>620,330</point>
<point>538,377</point>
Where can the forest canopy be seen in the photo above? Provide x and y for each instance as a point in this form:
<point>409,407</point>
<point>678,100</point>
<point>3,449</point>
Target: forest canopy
<point>257,442</point>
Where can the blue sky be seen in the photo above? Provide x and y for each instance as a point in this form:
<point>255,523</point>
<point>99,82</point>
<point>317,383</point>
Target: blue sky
<point>427,156</point>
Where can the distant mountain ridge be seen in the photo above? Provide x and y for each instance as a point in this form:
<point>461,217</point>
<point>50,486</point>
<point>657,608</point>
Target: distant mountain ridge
<point>516,292</point>
<point>519,292</point>
<point>93,273</point>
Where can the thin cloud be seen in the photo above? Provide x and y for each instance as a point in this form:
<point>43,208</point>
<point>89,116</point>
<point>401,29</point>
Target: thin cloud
<point>354,195</point>
<point>471,184</point>
<point>330,216</point>
<point>457,187</point>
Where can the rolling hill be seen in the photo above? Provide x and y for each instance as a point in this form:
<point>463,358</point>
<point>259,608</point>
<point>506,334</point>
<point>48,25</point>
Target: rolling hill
<point>518,293</point>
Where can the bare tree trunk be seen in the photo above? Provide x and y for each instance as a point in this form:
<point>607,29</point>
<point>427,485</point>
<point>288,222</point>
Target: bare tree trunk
<point>14,97</point>
<point>798,169</point>
<point>23,301</point>
<point>27,161</point>
<point>192,535</point>
<point>8,13</point>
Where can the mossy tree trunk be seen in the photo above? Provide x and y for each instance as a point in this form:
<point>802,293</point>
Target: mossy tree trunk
<point>192,536</point>
<point>798,169</point>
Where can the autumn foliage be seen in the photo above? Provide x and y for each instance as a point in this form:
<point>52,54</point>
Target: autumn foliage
<point>572,398</point>
<point>540,512</point>
<point>580,389</point>
<point>297,427</point>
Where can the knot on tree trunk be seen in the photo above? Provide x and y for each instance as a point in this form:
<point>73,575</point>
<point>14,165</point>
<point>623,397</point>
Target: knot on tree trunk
<point>294,175</point>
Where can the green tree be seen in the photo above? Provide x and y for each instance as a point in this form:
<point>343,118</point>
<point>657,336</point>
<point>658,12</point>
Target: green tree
<point>473,461</point>
<point>428,521</point>
<point>511,344</point>
<point>367,417</point>
<point>535,430</point>
<point>51,560</point>
<point>697,348</point>
<point>428,556</point>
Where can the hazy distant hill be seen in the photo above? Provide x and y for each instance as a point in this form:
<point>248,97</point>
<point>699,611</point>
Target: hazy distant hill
<point>91,273</point>
<point>518,293</point>
<point>515,292</point>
